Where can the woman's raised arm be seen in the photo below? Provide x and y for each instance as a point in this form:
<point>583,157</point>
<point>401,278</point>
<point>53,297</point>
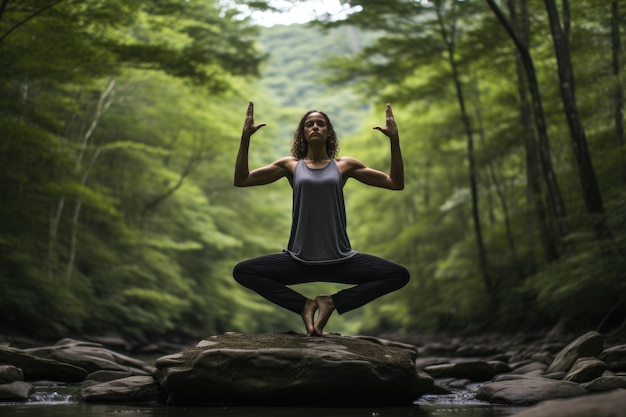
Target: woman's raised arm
<point>264,175</point>
<point>361,172</point>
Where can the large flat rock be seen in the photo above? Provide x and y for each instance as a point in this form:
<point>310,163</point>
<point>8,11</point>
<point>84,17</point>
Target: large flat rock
<point>292,369</point>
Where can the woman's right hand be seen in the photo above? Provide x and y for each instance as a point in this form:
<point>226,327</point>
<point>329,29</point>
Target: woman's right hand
<point>249,128</point>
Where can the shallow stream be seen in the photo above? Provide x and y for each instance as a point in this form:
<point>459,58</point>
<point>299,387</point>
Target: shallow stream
<point>57,402</point>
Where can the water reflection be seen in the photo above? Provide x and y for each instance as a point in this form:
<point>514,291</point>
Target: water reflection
<point>106,410</point>
<point>56,401</point>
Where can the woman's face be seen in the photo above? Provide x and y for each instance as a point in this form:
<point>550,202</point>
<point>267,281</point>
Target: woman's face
<point>315,128</point>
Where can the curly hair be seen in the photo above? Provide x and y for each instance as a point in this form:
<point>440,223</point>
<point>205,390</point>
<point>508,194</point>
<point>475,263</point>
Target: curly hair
<point>299,147</point>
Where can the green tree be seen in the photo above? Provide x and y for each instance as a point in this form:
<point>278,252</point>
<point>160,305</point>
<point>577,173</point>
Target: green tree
<point>586,171</point>
<point>405,65</point>
<point>101,143</point>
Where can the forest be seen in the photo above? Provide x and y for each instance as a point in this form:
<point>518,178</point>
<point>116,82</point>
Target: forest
<point>120,122</point>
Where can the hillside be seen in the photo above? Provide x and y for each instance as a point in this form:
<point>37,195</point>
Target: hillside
<point>294,74</point>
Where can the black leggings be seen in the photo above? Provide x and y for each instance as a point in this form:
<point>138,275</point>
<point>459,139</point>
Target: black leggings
<point>269,276</point>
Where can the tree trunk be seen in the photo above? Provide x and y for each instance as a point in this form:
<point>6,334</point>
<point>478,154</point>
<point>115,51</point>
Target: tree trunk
<point>450,42</point>
<point>505,210</point>
<point>497,185</point>
<point>566,19</point>
<point>3,7</point>
<point>105,101</point>
<point>55,219</point>
<point>586,172</point>
<point>619,92</point>
<point>545,156</point>
<point>533,171</point>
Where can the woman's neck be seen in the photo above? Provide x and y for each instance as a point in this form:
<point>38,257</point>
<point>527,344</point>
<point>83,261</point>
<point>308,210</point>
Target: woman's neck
<point>316,160</point>
<point>316,155</point>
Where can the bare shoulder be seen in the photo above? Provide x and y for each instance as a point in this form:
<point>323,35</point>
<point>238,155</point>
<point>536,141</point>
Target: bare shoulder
<point>288,162</point>
<point>353,168</point>
<point>347,164</point>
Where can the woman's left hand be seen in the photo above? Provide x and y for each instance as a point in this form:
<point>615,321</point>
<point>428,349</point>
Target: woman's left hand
<point>391,129</point>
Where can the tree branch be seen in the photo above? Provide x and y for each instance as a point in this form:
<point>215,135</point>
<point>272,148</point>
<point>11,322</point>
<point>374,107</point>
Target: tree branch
<point>21,22</point>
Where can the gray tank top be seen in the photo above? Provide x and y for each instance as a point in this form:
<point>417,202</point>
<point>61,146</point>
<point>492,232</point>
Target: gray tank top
<point>318,228</point>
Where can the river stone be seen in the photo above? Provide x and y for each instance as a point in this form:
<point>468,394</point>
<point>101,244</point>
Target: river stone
<point>35,368</point>
<point>116,343</point>
<point>458,383</point>
<point>543,357</point>
<point>527,390</point>
<point>512,377</point>
<point>617,366</point>
<point>585,370</point>
<point>15,391</point>
<point>91,357</point>
<point>606,383</point>
<point>474,370</point>
<point>386,342</point>
<point>9,373</point>
<point>105,376</point>
<point>532,367</point>
<point>611,404</point>
<point>292,369</point>
<point>554,375</point>
<point>499,367</point>
<point>423,362</point>
<point>476,350</point>
<point>615,357</point>
<point>589,344</point>
<point>134,389</point>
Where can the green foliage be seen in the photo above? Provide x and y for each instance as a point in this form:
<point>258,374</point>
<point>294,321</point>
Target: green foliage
<point>592,277</point>
<point>108,224</point>
<point>430,229</point>
<point>120,124</point>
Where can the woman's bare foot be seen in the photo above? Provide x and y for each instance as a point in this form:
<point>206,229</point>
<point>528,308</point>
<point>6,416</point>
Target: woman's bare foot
<point>327,306</point>
<point>308,313</point>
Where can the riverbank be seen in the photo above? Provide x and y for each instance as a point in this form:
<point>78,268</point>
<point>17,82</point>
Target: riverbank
<point>516,369</point>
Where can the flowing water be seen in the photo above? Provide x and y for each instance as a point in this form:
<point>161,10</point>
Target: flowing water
<point>54,402</point>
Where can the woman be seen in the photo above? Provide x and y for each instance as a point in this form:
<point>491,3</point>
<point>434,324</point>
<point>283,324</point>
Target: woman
<point>319,248</point>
